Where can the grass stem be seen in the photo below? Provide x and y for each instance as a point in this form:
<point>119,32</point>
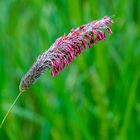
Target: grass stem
<point>2,122</point>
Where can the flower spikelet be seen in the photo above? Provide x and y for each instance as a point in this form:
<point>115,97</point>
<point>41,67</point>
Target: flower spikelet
<point>66,48</point>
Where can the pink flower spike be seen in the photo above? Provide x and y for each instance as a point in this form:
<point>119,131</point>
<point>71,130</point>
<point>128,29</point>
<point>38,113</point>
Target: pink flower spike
<point>63,51</point>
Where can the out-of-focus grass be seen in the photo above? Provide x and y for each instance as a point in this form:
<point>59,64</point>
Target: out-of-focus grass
<point>96,97</point>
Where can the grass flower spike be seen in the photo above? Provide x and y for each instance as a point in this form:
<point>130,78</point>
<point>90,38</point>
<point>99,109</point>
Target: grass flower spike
<point>65,49</point>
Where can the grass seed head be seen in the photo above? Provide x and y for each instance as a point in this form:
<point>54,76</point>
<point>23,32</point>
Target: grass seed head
<point>65,49</point>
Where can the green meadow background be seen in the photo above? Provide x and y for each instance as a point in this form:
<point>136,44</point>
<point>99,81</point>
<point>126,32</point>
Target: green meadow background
<point>97,97</point>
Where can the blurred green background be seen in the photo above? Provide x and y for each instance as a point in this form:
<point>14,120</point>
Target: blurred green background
<point>96,97</point>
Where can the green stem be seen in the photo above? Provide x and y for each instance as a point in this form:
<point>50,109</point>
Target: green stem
<point>10,109</point>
